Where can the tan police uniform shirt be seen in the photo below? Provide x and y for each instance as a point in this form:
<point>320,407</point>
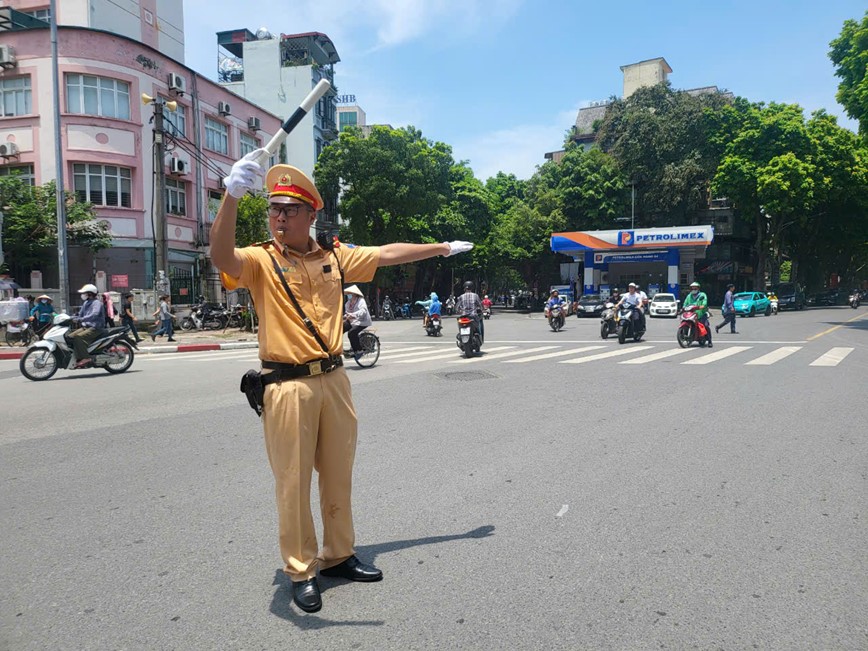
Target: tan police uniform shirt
<point>315,281</point>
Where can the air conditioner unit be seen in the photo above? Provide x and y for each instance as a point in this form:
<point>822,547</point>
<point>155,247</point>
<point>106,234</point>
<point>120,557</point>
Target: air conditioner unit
<point>7,57</point>
<point>176,83</point>
<point>8,149</point>
<point>178,166</point>
<point>254,124</point>
<point>223,108</point>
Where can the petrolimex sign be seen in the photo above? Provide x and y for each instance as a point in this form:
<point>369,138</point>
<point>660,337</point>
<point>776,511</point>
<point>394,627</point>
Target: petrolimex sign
<point>642,238</point>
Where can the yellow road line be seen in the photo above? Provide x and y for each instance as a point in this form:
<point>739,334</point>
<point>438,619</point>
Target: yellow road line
<point>833,328</point>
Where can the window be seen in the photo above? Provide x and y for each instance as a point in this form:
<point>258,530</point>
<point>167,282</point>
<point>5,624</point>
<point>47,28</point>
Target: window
<point>90,95</point>
<point>15,96</point>
<point>216,136</point>
<point>214,199</point>
<point>24,172</point>
<point>41,14</point>
<point>248,144</point>
<point>102,185</point>
<point>318,147</point>
<point>176,121</point>
<point>348,119</point>
<point>176,197</point>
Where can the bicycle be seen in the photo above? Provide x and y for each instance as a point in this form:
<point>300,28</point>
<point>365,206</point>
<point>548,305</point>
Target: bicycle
<point>370,349</point>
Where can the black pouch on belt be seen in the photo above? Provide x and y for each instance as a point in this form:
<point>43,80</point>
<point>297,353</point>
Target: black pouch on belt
<point>253,387</point>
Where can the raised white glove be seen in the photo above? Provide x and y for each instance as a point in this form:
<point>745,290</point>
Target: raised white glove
<point>458,246</point>
<point>246,175</point>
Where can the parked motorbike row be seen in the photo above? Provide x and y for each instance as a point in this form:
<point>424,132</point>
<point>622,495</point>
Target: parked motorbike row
<point>213,316</point>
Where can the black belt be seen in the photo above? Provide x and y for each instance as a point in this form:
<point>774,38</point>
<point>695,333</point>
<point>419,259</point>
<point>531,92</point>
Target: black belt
<point>281,371</point>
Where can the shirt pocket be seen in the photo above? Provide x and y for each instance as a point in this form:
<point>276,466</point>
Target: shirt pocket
<point>329,290</point>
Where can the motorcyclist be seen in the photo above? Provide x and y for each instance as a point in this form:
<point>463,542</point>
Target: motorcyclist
<point>387,306</point>
<point>634,298</point>
<point>554,299</point>
<point>450,304</point>
<point>615,298</point>
<point>468,304</point>
<point>91,316</point>
<point>486,302</point>
<point>700,300</point>
<point>431,306</point>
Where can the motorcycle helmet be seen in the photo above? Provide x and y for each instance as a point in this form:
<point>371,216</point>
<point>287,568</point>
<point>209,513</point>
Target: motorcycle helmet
<point>695,284</point>
<point>88,289</point>
<point>468,286</point>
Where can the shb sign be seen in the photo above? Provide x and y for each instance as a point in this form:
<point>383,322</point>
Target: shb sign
<point>345,99</point>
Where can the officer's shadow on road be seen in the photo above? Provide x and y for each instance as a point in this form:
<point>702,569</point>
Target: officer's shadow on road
<point>281,602</point>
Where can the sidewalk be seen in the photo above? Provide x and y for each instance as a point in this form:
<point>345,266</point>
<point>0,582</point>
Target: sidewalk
<point>187,342</point>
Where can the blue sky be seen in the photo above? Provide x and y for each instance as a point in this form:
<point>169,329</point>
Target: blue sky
<point>501,80</point>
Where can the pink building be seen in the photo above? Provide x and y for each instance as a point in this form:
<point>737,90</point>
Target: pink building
<point>107,141</point>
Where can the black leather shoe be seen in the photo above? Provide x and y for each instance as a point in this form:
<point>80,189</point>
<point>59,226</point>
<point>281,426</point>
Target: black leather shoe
<point>354,570</point>
<point>306,595</point>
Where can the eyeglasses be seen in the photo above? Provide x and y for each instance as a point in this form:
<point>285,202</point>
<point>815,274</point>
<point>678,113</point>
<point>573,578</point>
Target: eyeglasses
<point>290,210</point>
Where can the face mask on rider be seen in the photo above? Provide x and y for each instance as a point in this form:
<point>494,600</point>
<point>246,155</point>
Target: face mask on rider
<point>44,301</point>
<point>83,297</point>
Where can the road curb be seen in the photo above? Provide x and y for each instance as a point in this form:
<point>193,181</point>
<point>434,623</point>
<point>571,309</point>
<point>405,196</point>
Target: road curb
<point>162,350</point>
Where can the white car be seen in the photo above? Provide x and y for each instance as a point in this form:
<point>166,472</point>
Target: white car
<point>663,305</point>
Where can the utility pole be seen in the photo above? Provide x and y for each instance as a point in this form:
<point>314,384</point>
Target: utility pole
<point>161,244</point>
<point>632,204</point>
<point>62,258</point>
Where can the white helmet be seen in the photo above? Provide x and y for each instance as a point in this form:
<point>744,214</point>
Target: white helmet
<point>88,289</point>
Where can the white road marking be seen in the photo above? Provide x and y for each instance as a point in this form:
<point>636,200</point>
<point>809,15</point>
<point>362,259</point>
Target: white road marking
<point>564,509</point>
<point>485,357</point>
<point>832,358</point>
<point>559,353</point>
<point>653,357</point>
<point>775,356</point>
<point>389,351</point>
<point>614,353</point>
<point>455,353</point>
<point>720,354</point>
<point>418,353</point>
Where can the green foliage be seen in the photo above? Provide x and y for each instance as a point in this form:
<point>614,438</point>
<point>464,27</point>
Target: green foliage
<point>252,223</point>
<point>660,138</point>
<point>786,271</point>
<point>30,224</point>
<point>849,53</point>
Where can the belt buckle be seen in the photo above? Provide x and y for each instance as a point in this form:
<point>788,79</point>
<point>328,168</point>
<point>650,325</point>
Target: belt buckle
<point>315,368</point>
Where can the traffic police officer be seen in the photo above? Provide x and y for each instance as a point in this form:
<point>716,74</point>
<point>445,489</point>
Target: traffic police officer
<point>308,416</point>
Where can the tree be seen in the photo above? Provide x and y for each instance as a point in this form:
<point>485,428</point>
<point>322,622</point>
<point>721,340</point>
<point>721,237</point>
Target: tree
<point>660,138</point>
<point>30,225</point>
<point>592,189</point>
<point>849,53</point>
<point>252,223</point>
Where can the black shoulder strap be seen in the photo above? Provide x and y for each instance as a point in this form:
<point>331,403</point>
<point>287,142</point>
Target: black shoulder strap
<point>307,322</point>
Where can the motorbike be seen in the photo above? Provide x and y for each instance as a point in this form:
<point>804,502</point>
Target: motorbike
<point>486,312</point>
<point>691,329</point>
<point>608,321</point>
<point>627,325</point>
<point>468,338</point>
<point>450,306</point>
<point>203,317</point>
<point>406,311</point>
<point>855,299</point>
<point>388,315</point>
<point>773,306</point>
<point>556,317</point>
<point>236,316</point>
<point>112,352</point>
<point>433,327</point>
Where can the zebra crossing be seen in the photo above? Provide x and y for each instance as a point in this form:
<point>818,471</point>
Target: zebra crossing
<point>520,353</point>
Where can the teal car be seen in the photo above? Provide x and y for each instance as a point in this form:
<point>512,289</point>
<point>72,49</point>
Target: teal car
<point>751,304</point>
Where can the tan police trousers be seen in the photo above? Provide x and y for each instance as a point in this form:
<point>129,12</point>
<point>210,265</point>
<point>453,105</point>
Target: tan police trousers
<point>310,422</point>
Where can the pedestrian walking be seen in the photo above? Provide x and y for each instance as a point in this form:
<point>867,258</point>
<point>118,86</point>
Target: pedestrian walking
<point>728,311</point>
<point>109,308</point>
<point>303,394</point>
<point>165,316</point>
<point>127,317</point>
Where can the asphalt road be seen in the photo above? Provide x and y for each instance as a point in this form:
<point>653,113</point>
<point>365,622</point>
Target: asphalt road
<point>545,496</point>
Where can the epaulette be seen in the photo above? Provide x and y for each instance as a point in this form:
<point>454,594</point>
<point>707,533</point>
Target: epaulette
<point>263,243</point>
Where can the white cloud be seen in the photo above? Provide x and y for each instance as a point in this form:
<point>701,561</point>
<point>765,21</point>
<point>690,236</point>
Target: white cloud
<point>517,150</point>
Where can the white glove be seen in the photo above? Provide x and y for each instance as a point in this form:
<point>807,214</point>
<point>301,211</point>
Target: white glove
<point>458,246</point>
<point>246,175</point>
